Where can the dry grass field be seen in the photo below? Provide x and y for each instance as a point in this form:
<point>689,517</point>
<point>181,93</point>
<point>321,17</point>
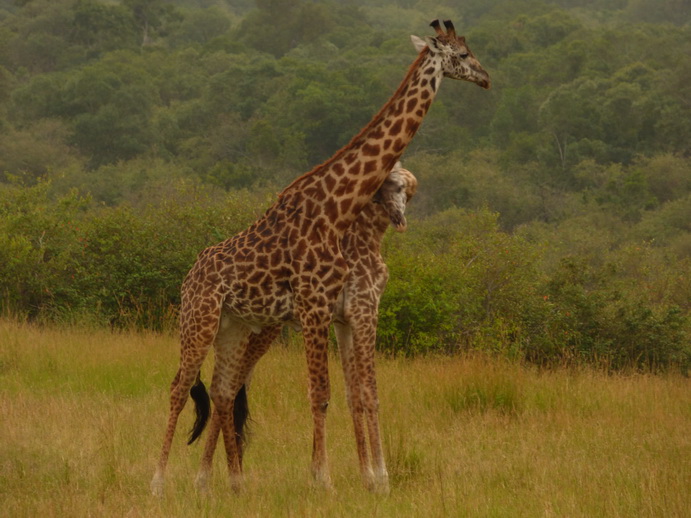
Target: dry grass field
<point>83,411</point>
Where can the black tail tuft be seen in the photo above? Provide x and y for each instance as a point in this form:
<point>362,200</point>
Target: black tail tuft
<point>241,414</point>
<point>202,406</point>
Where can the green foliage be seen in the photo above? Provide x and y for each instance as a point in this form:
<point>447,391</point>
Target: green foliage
<point>552,219</point>
<point>121,265</point>
<point>38,237</point>
<point>102,27</point>
<point>135,78</point>
<point>456,283</point>
<point>460,283</point>
<point>603,318</point>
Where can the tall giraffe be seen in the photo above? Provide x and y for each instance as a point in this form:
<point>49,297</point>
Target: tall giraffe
<point>355,322</point>
<point>288,266</point>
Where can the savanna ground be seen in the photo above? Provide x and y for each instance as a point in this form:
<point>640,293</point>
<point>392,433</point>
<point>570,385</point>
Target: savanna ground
<point>83,413</point>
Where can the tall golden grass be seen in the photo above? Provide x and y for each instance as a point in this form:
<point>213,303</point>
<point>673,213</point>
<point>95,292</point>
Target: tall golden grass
<point>83,412</point>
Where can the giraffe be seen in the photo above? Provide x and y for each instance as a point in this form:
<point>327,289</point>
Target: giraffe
<point>288,265</point>
<point>357,313</point>
<point>355,323</point>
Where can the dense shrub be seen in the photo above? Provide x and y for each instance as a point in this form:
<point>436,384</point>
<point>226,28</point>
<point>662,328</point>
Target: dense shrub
<point>458,282</point>
<point>70,259</point>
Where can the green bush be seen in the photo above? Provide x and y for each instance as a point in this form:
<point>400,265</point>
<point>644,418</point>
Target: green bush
<point>69,259</point>
<point>606,315</point>
<point>456,281</point>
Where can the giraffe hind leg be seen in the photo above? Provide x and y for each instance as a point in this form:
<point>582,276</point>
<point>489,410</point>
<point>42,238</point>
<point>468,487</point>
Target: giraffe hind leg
<point>344,337</point>
<point>179,393</point>
<point>257,346</point>
<point>241,413</point>
<point>196,340</point>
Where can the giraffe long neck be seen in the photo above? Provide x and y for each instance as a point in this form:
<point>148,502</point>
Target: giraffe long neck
<point>347,181</point>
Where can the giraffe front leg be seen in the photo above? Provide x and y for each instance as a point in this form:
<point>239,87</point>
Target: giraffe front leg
<point>344,337</point>
<point>364,344</point>
<point>371,403</point>
<point>316,345</point>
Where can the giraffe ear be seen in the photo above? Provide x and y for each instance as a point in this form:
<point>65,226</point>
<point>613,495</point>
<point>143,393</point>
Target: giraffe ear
<point>418,43</point>
<point>435,45</point>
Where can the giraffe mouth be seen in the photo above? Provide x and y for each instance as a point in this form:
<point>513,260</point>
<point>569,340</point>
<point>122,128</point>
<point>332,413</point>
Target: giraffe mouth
<point>484,83</point>
<point>398,221</point>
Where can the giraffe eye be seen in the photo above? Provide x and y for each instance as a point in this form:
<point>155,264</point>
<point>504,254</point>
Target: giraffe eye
<point>464,55</point>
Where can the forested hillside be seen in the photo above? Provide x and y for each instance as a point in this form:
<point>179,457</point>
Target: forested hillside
<point>553,218</point>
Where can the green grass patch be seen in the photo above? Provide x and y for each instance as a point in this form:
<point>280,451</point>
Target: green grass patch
<point>84,414</point>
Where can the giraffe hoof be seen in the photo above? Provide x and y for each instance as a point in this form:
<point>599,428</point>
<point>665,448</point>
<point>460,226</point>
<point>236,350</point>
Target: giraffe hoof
<point>381,484</point>
<point>381,487</point>
<point>157,485</point>
<point>201,482</point>
<point>322,480</point>
<point>378,484</point>
<point>236,483</point>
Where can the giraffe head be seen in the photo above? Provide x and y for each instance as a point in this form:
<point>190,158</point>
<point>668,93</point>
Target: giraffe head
<point>395,193</point>
<point>456,59</point>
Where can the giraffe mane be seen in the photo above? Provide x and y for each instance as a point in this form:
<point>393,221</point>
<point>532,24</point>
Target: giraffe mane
<point>363,131</point>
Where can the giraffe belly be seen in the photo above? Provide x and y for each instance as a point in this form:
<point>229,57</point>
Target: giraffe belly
<point>262,310</point>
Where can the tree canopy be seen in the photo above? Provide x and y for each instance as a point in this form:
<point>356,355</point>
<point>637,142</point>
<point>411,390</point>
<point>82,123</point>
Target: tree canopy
<point>581,149</point>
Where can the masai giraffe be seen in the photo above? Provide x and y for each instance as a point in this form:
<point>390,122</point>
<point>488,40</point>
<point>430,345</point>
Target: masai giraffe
<point>355,322</point>
<point>288,266</point>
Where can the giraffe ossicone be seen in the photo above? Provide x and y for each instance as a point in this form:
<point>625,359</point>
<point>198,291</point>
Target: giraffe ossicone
<point>289,265</point>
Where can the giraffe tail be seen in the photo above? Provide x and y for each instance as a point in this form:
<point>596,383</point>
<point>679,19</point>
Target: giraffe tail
<point>202,407</point>
<point>241,413</point>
